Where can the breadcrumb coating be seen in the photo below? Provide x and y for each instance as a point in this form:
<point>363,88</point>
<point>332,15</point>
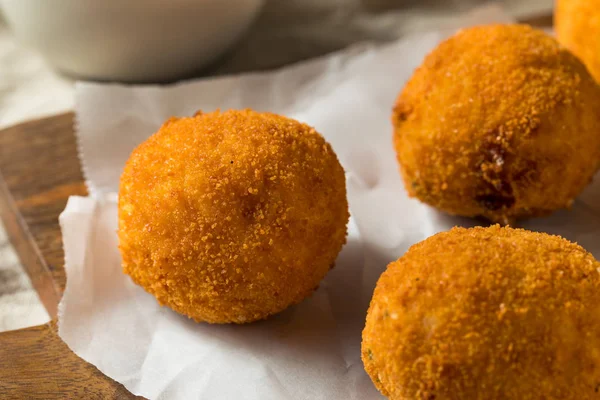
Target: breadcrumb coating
<point>487,313</point>
<point>499,121</point>
<point>231,216</point>
<point>577,25</point>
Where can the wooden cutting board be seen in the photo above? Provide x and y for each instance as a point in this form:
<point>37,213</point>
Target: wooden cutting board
<point>39,170</point>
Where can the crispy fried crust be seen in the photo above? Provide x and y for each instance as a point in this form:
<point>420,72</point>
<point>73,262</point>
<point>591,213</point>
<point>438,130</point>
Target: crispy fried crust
<point>231,216</point>
<point>487,313</point>
<point>499,121</point>
<point>577,25</point>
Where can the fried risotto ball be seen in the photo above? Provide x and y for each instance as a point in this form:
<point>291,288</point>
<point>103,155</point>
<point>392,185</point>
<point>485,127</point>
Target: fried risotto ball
<point>486,313</point>
<point>577,24</point>
<point>500,122</point>
<point>231,216</point>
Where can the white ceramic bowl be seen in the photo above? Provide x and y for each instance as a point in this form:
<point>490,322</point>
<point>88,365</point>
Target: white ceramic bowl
<point>129,40</point>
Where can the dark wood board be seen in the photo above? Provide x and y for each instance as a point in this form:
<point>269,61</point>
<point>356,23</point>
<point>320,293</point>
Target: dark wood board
<point>39,171</point>
<point>36,364</point>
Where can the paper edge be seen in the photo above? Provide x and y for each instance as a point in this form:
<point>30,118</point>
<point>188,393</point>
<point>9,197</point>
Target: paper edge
<point>87,204</point>
<point>92,190</point>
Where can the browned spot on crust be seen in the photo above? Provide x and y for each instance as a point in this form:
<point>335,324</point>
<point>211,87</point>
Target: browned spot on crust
<point>496,192</point>
<point>495,202</point>
<point>402,111</point>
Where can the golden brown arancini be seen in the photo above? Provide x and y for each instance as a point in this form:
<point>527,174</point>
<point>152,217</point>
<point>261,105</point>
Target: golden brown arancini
<point>231,216</point>
<point>487,313</point>
<point>577,24</point>
<point>500,121</point>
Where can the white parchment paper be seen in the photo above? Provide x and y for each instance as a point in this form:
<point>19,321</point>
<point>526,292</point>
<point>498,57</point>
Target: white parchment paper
<point>312,350</point>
